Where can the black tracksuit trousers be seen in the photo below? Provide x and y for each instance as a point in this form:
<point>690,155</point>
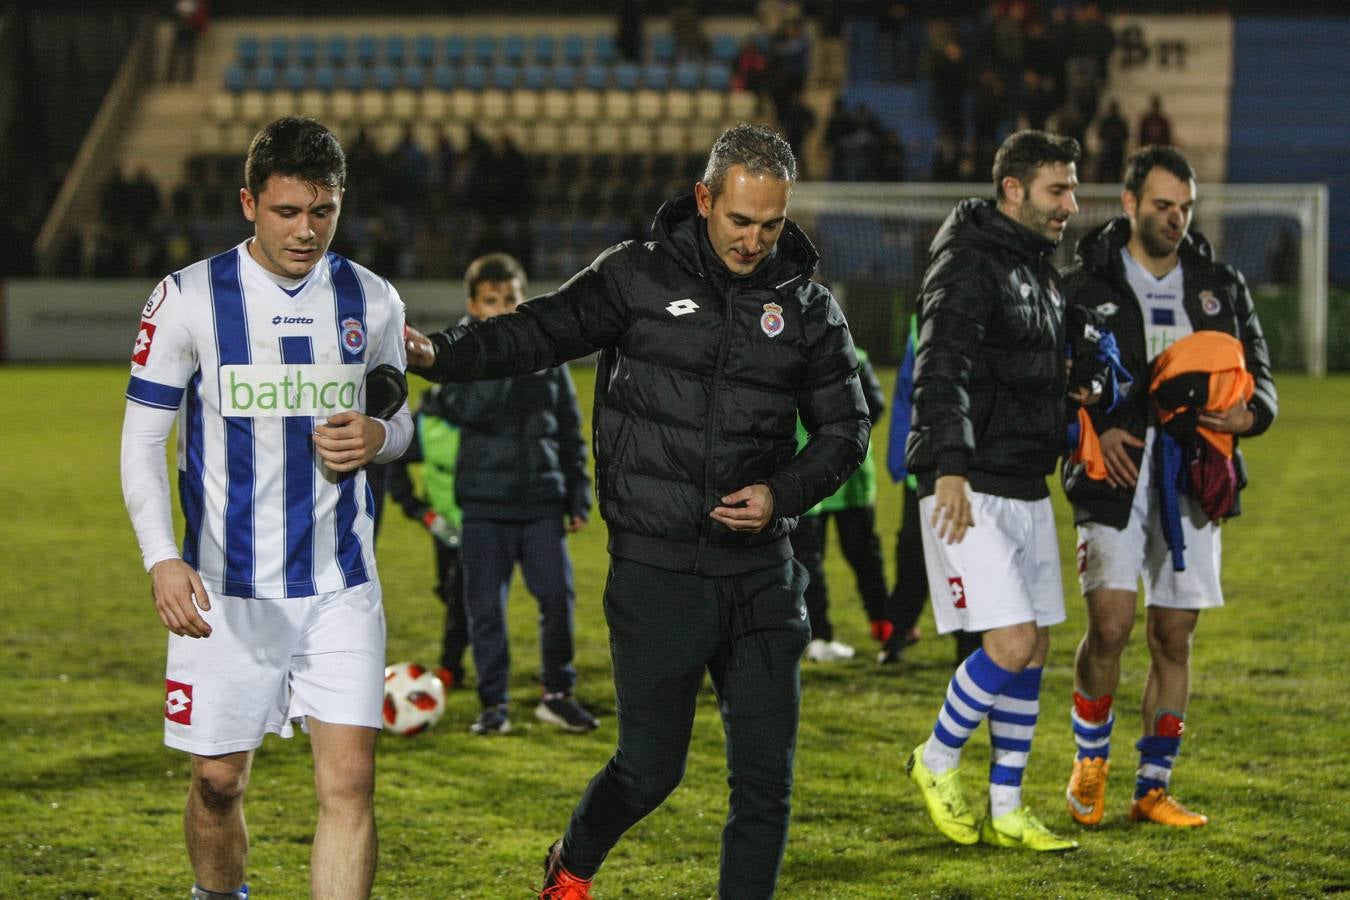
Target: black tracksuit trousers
<point>666,630</point>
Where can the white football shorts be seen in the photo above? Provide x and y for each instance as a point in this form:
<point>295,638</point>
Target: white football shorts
<point>271,662</point>
<point>1004,572</point>
<point>1115,559</point>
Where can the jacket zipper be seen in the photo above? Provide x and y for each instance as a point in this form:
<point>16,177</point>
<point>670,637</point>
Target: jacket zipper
<point>704,531</point>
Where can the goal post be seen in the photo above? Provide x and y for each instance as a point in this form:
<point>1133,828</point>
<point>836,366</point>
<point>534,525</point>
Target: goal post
<point>874,241</point>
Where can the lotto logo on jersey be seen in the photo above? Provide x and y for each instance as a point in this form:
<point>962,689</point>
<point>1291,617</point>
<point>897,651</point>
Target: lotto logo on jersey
<point>177,702</point>
<point>266,391</point>
<point>140,354</point>
<point>958,592</point>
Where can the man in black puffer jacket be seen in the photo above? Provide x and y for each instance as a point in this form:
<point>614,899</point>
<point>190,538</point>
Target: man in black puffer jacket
<point>990,406</point>
<point>713,339</point>
<point>1155,283</point>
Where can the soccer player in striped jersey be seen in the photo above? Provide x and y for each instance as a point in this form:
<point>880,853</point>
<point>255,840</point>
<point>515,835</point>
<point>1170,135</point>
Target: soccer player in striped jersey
<point>263,355</point>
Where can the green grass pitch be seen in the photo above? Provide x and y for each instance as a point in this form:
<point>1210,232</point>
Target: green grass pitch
<point>91,801</point>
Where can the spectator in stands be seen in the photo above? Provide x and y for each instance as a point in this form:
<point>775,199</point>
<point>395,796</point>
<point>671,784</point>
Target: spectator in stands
<point>750,70</point>
<point>989,112</point>
<point>950,83</point>
<point>900,36</point>
<point>686,26</point>
<point>190,18</point>
<point>1035,100</point>
<point>142,202</point>
<point>1113,134</point>
<point>409,168</point>
<point>789,60</point>
<point>628,34</point>
<point>1094,37</point>
<point>796,120</point>
<point>1155,128</point>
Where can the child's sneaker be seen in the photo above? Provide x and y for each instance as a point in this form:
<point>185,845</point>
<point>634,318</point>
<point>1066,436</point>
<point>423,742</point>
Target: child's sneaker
<point>565,712</point>
<point>492,720</point>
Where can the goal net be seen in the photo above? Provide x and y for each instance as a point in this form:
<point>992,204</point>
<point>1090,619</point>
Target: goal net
<point>874,239</point>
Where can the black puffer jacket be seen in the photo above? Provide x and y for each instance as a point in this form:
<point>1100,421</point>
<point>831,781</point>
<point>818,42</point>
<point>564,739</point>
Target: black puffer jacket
<point>701,377</point>
<point>1215,297</point>
<point>521,454</point>
<point>989,374</point>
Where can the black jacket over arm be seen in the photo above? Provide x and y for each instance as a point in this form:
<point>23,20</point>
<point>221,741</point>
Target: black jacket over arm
<point>989,373</point>
<point>700,380</point>
<point>1215,298</point>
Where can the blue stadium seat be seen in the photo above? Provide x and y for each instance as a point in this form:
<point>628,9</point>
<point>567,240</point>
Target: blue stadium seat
<point>265,79</point>
<point>604,49</point>
<point>424,50</point>
<point>382,77</point>
<point>535,78</point>
<point>474,77</point>
<point>543,49</point>
<point>278,51</point>
<point>513,50</point>
<point>307,50</point>
<point>595,78</point>
<point>413,77</point>
<point>688,76</point>
<point>367,48</point>
<point>236,79</point>
<point>335,51</point>
<point>395,49</point>
<point>325,78</point>
<point>725,48</point>
<point>246,50</point>
<point>574,49</point>
<point>626,76</point>
<point>353,77</point>
<point>295,78</point>
<point>504,76</point>
<point>716,77</point>
<point>484,50</point>
<point>656,77</point>
<point>445,77</point>
<point>662,46</point>
<point>564,78</point>
<point>455,49</point>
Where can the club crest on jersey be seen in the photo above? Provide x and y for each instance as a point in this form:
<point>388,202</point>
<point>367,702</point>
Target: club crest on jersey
<point>1210,303</point>
<point>156,300</point>
<point>140,355</point>
<point>353,335</point>
<point>772,322</point>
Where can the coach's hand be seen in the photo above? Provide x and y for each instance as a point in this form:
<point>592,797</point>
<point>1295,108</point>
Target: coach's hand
<point>421,352</point>
<point>348,440</point>
<point>749,509</point>
<point>951,513</point>
<point>1121,471</point>
<point>176,587</point>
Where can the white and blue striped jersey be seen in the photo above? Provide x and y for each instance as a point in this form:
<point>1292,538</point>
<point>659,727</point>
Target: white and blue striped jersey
<point>250,366</point>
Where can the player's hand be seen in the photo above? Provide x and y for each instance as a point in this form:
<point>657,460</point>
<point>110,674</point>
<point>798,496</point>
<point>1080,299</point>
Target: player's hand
<point>574,523</point>
<point>952,514</point>
<point>1086,395</point>
<point>1237,419</point>
<point>421,351</point>
<point>348,440</point>
<point>1121,471</point>
<point>749,509</point>
<point>178,592</point>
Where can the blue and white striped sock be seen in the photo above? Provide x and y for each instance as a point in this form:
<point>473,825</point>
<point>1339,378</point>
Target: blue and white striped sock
<point>1158,752</point>
<point>1092,723</point>
<point>1012,724</point>
<point>972,692</point>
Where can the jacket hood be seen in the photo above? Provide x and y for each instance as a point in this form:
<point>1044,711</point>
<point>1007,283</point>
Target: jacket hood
<point>681,231</point>
<point>979,221</point>
<point>1098,250</point>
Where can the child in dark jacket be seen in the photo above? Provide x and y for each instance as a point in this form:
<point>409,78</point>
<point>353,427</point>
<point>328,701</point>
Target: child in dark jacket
<point>521,485</point>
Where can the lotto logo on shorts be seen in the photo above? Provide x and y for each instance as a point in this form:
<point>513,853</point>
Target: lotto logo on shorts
<point>958,592</point>
<point>177,702</point>
<point>1082,557</point>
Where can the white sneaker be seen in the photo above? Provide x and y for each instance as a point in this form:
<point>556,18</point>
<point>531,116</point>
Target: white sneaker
<point>823,651</point>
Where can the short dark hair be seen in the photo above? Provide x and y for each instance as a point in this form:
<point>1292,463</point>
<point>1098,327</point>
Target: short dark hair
<point>492,267</point>
<point>1146,159</point>
<point>757,148</point>
<point>299,147</point>
<point>1026,151</point>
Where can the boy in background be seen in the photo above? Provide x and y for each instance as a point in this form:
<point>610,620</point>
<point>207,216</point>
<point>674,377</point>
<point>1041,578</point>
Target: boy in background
<point>521,485</point>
